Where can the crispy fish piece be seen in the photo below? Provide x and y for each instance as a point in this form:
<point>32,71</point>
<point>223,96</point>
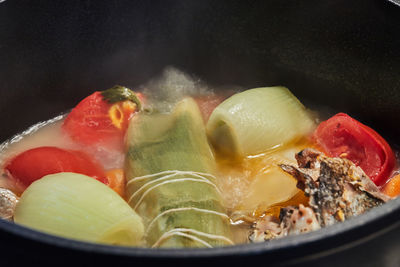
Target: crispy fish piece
<point>293,221</point>
<point>337,190</point>
<point>8,201</point>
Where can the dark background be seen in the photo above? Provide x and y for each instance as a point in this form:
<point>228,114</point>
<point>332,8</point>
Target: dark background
<point>343,55</point>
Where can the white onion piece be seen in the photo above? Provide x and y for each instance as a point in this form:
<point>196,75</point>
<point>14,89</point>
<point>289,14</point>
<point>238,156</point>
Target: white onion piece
<point>256,120</point>
<point>79,207</point>
<point>270,187</point>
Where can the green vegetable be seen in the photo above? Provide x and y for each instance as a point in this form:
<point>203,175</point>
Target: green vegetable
<point>170,171</point>
<point>120,93</point>
<point>256,120</point>
<point>79,207</point>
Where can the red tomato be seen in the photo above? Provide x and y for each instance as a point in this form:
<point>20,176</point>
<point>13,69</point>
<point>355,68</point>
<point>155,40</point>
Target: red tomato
<point>343,136</point>
<point>35,163</point>
<point>208,103</point>
<point>97,121</point>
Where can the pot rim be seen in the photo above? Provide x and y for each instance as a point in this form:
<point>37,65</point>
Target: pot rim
<point>378,214</point>
<point>396,2</point>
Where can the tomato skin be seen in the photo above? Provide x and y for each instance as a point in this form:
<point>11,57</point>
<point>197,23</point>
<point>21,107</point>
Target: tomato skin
<point>91,121</point>
<point>343,136</point>
<point>207,103</point>
<point>88,122</point>
<point>35,163</point>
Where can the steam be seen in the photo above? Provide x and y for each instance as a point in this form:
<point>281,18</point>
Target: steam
<point>170,87</point>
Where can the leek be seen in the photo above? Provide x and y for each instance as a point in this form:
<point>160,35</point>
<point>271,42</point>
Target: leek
<point>256,120</point>
<point>78,207</point>
<point>170,171</point>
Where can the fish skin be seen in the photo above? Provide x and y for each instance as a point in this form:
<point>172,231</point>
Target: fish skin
<point>337,190</point>
<point>292,221</point>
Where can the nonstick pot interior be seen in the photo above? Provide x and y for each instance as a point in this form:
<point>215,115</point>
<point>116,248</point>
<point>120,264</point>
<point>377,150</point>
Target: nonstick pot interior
<point>337,55</point>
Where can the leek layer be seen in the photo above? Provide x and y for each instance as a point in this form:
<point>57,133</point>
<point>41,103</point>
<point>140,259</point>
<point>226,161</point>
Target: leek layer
<point>79,207</point>
<point>256,120</point>
<point>171,184</point>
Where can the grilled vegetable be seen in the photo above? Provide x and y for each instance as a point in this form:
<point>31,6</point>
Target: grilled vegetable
<point>78,207</point>
<point>343,136</point>
<point>171,184</point>
<point>257,120</point>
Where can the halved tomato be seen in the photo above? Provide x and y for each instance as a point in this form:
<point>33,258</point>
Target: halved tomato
<point>102,117</point>
<point>35,163</point>
<point>343,136</point>
<point>207,103</point>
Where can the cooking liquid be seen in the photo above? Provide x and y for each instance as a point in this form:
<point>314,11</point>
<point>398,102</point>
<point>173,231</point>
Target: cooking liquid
<point>236,178</point>
<point>49,133</point>
<point>255,186</point>
<point>251,187</point>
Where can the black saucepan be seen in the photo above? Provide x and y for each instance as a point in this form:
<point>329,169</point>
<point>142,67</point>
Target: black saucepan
<point>341,55</point>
